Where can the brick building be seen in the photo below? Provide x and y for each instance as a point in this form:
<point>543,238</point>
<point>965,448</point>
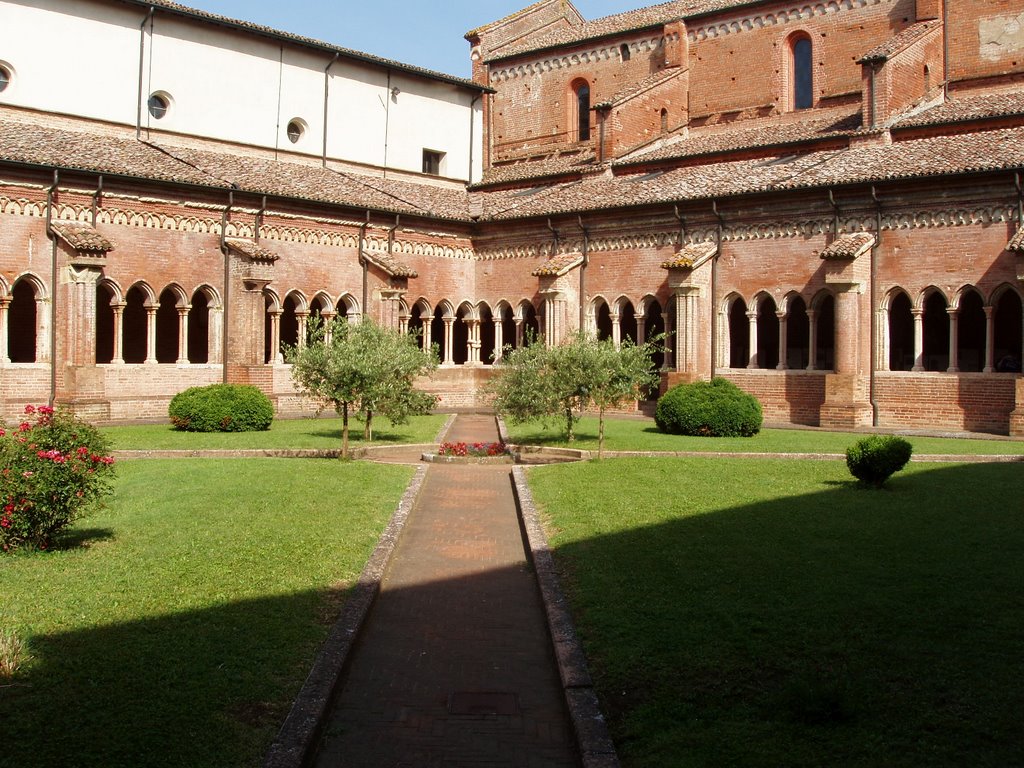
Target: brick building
<point>819,201</point>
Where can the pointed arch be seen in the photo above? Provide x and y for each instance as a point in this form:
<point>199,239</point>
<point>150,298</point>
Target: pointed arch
<point>936,329</point>
<point>140,304</point>
<point>900,329</point>
<point>27,320</point>
<point>738,326</point>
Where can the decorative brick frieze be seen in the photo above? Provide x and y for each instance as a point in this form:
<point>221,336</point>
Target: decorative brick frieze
<point>801,13</point>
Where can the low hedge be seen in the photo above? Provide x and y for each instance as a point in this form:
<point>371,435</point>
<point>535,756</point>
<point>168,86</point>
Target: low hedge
<point>221,408</point>
<point>716,408</point>
<point>874,459</point>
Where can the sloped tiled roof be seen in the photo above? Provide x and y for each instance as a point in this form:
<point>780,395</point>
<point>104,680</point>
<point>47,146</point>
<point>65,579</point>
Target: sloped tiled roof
<point>250,248</point>
<point>689,255</point>
<point>557,165</point>
<point>1017,241</point>
<point>848,247</point>
<point>967,107</point>
<point>774,131</point>
<point>897,43</point>
<point>390,265</point>
<point>81,237</point>
<point>558,265</point>
<point>643,85</point>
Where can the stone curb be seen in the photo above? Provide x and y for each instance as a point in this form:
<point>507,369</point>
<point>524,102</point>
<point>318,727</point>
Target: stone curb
<point>434,458</point>
<point>595,743</point>
<point>300,733</point>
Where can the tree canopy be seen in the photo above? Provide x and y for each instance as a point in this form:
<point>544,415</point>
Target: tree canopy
<point>364,368</point>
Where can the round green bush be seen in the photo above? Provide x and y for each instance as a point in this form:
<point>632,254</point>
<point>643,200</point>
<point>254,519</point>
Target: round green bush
<point>874,459</point>
<point>221,408</point>
<point>716,408</point>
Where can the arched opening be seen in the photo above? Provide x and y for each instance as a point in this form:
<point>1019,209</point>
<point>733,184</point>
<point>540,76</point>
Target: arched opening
<point>767,333</point>
<point>664,120</point>
<point>486,334</point>
<point>437,333</point>
<point>415,324</point>
<point>134,343</point>
<point>627,322</point>
<point>341,308</point>
<point>22,322</point>
<point>798,335</point>
<point>460,336</point>
<point>654,326</point>
<point>624,51</point>
<point>825,333</point>
<point>104,324</point>
<point>1007,333</point>
<point>801,72</point>
<point>199,329</point>
<point>603,320</point>
<point>269,353</point>
<point>739,334</point>
<point>167,327</point>
<point>936,333</point>
<point>901,333</point>
<point>289,322</point>
<point>508,327</point>
<point>531,326</point>
<point>971,332</point>
<point>581,102</point>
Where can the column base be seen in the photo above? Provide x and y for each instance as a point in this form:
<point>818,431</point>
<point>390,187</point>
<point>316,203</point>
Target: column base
<point>1017,415</point>
<point>847,404</point>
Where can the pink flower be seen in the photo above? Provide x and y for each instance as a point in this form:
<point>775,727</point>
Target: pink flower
<point>30,409</point>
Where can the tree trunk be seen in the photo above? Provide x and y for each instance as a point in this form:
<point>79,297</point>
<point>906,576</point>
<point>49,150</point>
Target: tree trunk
<point>600,433</point>
<point>568,425</point>
<point>368,427</point>
<point>344,431</point>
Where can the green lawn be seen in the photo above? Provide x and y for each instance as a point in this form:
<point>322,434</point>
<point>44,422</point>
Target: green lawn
<point>324,433</point>
<point>175,627</point>
<point>633,434</point>
<point>752,613</point>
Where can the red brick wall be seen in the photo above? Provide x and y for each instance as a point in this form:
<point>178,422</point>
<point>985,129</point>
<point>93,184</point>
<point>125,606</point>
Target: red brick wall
<point>985,38</point>
<point>786,397</point>
<point>975,402</point>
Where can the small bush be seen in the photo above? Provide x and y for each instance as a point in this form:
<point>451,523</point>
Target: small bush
<point>52,467</point>
<point>716,408</point>
<point>874,459</point>
<point>221,408</point>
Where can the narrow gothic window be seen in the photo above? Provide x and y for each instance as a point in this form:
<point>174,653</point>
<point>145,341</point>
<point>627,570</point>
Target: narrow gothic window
<point>624,51</point>
<point>802,74</point>
<point>664,121</point>
<point>582,112</point>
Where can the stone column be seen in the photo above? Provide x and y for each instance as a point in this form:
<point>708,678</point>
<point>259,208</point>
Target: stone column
<point>990,340</point>
<point>449,337</point>
<point>5,354</point>
<point>783,341</point>
<point>302,320</point>
<point>641,329</point>
<point>954,327</point>
<point>669,348</point>
<point>473,341</point>
<point>616,319</point>
<point>151,335</point>
<point>812,340</point>
<point>327,318</point>
<point>519,332</point>
<point>918,339</point>
<point>44,312</point>
<point>118,310</point>
<point>425,336</point>
<point>752,320</point>
<point>499,338</point>
<point>183,335</point>
<point>276,357</point>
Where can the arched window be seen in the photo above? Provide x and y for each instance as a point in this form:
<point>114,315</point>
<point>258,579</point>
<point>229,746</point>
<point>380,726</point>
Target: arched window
<point>798,335</point>
<point>134,344</point>
<point>739,334</point>
<point>627,322</point>
<point>199,329</point>
<point>104,324</point>
<point>531,326</point>
<point>581,93</point>
<point>801,72</point>
<point>289,323</point>
<point>22,323</point>
<point>486,334</point>
<point>437,333</point>
<point>664,120</point>
<point>1006,322</point>
<point>167,327</point>
<point>767,334</point>
<point>460,336</point>
<point>901,333</point>
<point>603,321</point>
<point>936,333</point>
<point>654,325</point>
<point>970,332</point>
<point>624,51</point>
<point>825,334</point>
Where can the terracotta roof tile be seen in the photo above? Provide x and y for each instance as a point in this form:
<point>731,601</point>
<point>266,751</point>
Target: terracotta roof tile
<point>390,264</point>
<point>555,165</point>
<point>81,237</point>
<point>1017,242</point>
<point>897,43</point>
<point>848,247</point>
<point>690,255</point>
<point>251,248</point>
<point>558,265</point>
<point>967,107</point>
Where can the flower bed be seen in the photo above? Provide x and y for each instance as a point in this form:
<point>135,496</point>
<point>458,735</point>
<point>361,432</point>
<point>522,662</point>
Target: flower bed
<point>477,450</point>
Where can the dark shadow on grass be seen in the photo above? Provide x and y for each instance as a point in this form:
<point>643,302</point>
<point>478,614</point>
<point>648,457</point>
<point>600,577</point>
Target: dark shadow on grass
<point>82,537</point>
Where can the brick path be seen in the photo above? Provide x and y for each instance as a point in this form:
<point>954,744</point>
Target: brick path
<point>454,664</point>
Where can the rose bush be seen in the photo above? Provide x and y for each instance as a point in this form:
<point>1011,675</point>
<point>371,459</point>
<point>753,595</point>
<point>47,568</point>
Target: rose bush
<point>53,467</point>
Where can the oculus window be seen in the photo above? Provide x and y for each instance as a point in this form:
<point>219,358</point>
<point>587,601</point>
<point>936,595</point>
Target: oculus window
<point>159,104</point>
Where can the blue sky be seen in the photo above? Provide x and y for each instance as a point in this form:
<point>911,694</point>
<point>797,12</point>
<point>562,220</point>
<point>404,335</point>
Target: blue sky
<point>427,34</point>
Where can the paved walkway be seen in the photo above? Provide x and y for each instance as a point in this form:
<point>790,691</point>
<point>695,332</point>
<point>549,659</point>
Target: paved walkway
<point>454,665</point>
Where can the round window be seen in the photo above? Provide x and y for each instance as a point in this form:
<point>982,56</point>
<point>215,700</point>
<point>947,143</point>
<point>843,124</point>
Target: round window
<point>295,130</point>
<point>158,105</point>
<point>5,78</point>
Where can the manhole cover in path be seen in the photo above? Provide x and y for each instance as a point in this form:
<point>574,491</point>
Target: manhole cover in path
<point>483,703</point>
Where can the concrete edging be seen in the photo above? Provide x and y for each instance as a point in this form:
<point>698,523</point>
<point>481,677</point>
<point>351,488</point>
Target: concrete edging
<point>296,741</point>
<point>595,744</point>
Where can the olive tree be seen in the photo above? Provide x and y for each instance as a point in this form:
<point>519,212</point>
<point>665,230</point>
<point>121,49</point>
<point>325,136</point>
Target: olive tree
<point>362,368</point>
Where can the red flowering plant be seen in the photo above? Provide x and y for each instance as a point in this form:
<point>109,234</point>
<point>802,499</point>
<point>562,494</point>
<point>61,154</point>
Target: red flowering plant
<point>472,449</point>
<point>53,467</point>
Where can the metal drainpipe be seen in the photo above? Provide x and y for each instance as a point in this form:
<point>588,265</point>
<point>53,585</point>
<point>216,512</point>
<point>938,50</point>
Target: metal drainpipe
<point>142,67</point>
<point>362,260</point>
<point>945,49</point>
<point>387,122</point>
<point>53,287</point>
<point>96,198</point>
<point>227,282</point>
<point>327,91</point>
<point>259,218</point>
<point>583,272</point>
<point>714,285</point>
<point>835,213</point>
<point>1020,199</point>
<point>871,95</point>
<point>873,330</point>
<point>469,176</point>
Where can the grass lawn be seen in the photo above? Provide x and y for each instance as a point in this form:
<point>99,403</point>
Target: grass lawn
<point>175,627</point>
<point>633,434</point>
<point>283,433</point>
<point>771,613</point>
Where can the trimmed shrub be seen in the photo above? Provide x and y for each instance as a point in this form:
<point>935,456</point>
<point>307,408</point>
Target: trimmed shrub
<point>221,408</point>
<point>716,408</point>
<point>53,466</point>
<point>874,459</point>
